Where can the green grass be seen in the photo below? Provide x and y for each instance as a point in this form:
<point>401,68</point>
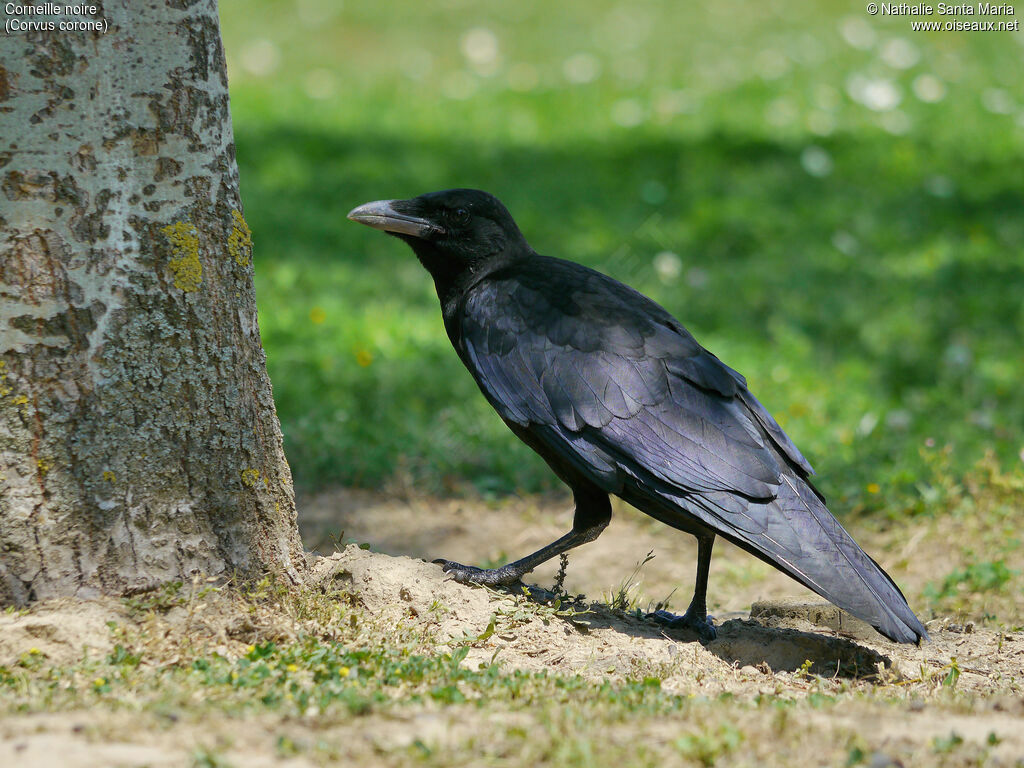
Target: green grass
<point>364,665</point>
<point>863,267</point>
<point>323,661</point>
<point>312,672</point>
<point>319,658</point>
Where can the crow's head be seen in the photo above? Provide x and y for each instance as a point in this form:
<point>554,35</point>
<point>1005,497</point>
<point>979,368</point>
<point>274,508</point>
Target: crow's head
<point>452,232</point>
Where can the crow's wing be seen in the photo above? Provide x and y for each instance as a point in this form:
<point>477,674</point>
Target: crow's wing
<point>576,351</point>
<point>609,381</point>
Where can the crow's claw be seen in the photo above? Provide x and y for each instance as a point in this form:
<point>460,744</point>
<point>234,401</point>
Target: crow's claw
<point>470,574</point>
<point>703,626</point>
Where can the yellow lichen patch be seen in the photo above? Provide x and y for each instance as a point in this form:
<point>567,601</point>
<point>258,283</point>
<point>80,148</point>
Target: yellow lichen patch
<point>21,400</point>
<point>44,465</point>
<point>250,477</point>
<point>188,271</point>
<point>240,240</point>
<point>109,476</point>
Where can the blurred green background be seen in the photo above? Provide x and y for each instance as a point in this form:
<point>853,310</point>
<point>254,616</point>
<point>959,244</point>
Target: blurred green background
<point>832,203</point>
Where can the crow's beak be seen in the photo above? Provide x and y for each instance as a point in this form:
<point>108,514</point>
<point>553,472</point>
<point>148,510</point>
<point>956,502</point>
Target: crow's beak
<point>381,214</point>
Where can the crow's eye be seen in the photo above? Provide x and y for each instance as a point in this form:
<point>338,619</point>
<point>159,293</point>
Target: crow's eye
<point>460,216</point>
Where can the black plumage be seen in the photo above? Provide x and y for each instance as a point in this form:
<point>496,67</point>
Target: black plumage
<point>619,398</point>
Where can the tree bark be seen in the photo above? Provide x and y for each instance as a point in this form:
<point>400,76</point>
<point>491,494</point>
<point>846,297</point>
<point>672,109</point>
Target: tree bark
<point>138,438</point>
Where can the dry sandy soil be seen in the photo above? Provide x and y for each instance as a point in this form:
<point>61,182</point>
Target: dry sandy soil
<point>769,628</point>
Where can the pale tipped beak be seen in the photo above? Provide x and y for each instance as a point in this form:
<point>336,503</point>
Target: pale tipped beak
<point>381,214</point>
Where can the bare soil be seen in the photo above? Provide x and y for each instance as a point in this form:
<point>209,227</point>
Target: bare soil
<point>775,639</point>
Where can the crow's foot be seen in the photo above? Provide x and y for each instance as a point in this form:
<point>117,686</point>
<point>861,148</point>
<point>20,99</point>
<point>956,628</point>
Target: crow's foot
<point>703,626</point>
<point>470,574</point>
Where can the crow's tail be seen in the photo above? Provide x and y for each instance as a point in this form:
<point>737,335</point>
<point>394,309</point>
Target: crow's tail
<point>798,535</point>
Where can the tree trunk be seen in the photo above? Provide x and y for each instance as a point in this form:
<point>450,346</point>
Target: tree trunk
<point>138,438</point>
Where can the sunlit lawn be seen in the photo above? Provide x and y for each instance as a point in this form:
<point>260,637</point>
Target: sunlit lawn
<point>831,203</point>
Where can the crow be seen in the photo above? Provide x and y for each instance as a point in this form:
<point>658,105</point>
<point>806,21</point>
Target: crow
<point>619,398</point>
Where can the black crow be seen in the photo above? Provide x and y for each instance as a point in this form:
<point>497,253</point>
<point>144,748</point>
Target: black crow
<point>618,397</point>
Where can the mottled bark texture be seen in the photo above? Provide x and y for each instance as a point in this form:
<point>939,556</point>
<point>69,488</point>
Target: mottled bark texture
<point>138,438</point>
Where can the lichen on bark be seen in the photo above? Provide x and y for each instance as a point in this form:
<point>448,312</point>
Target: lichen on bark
<point>186,267</point>
<point>133,386</point>
<point>240,239</point>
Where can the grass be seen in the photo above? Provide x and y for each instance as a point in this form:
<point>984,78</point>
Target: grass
<point>323,660</point>
<point>978,519</point>
<point>221,673</point>
<point>828,201</point>
<point>339,670</point>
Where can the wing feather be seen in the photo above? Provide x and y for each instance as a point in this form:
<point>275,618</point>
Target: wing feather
<point>609,382</point>
<point>600,372</point>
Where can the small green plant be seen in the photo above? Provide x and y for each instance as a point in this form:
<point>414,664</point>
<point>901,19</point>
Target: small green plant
<point>804,671</point>
<point>953,675</point>
<point>203,757</point>
<point>121,656</point>
<point>563,566</point>
<point>945,744</point>
<point>626,599</point>
<point>159,599</point>
<point>986,576</point>
<point>709,748</point>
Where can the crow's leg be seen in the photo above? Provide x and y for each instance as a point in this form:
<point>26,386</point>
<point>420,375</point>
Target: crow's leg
<point>593,512</point>
<point>696,617</point>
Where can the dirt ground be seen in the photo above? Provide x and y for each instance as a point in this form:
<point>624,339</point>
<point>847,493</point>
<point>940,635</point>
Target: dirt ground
<point>917,552</point>
<point>769,629</point>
